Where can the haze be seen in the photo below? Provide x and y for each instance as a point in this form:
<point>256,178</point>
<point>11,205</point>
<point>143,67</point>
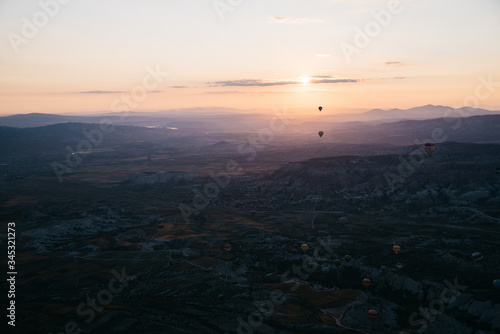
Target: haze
<point>251,55</point>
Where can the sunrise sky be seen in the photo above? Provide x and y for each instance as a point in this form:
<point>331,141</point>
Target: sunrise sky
<point>83,55</point>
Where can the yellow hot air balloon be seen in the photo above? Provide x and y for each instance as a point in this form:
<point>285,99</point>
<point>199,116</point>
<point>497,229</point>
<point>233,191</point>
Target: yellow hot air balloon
<point>396,249</point>
<point>304,247</point>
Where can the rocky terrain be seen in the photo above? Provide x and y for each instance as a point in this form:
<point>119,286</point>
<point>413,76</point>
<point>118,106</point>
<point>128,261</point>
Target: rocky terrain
<point>135,239</point>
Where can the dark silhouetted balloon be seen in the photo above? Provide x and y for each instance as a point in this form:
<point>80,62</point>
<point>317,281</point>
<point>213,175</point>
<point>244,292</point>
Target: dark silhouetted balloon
<point>320,108</point>
<point>429,148</point>
<point>372,314</point>
<point>320,134</point>
<point>477,257</point>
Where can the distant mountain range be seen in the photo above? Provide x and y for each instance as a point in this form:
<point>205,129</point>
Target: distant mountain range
<point>54,138</point>
<point>394,115</point>
<point>227,120</point>
<point>424,112</point>
<point>475,129</point>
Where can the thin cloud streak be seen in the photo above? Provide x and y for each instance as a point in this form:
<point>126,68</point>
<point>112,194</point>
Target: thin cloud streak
<point>393,63</point>
<point>262,83</point>
<point>100,92</point>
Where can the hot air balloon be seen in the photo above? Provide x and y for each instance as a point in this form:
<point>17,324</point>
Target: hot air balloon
<point>343,220</point>
<point>372,314</point>
<point>227,247</point>
<point>429,148</point>
<point>396,249</point>
<point>252,213</point>
<point>337,262</point>
<point>367,282</point>
<point>320,134</point>
<point>477,257</point>
<point>320,108</point>
<point>399,265</point>
<point>383,269</point>
<point>304,247</point>
<point>347,258</point>
<point>496,283</point>
<point>325,269</point>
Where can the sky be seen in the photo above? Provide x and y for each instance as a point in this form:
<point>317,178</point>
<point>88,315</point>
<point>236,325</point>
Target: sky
<point>88,56</point>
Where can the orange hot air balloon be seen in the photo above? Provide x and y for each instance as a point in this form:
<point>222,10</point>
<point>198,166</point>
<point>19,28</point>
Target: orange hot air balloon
<point>396,249</point>
<point>367,282</point>
<point>304,247</point>
<point>372,314</point>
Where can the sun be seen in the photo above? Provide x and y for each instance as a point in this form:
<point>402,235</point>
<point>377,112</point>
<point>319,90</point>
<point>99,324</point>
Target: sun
<point>305,80</point>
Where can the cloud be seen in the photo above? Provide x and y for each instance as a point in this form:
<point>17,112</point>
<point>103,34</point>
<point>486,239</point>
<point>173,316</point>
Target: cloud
<point>112,92</point>
<point>178,86</point>
<point>328,81</point>
<point>249,83</point>
<point>281,82</point>
<point>243,92</point>
<point>393,63</point>
<point>100,92</point>
<point>226,92</point>
<point>321,76</point>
